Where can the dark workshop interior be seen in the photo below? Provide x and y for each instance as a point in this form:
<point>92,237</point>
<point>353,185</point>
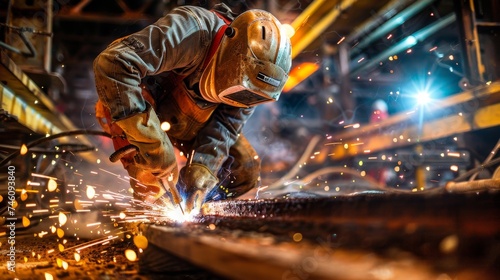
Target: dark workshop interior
<point>379,160</point>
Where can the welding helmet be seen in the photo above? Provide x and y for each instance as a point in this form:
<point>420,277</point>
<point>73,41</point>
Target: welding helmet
<point>251,64</point>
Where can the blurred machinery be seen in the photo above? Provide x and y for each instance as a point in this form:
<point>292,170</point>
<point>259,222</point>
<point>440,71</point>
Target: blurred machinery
<point>435,65</point>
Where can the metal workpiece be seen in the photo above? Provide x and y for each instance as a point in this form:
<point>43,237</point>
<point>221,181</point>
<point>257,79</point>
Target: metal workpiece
<point>346,237</point>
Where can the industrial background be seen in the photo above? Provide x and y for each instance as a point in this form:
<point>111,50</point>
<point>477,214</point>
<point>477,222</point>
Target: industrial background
<point>379,161</point>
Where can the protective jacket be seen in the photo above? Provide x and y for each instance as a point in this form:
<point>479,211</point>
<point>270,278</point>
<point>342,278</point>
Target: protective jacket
<point>167,59</point>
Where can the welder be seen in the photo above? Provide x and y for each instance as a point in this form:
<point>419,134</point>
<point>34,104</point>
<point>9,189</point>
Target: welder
<point>190,81</point>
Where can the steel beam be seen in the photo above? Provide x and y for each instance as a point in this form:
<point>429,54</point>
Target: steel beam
<point>470,43</point>
<point>332,237</point>
<point>22,98</point>
<point>464,112</point>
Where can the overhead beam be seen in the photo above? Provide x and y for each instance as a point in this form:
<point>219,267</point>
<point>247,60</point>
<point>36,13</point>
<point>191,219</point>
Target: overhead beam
<point>22,98</point>
<point>406,43</point>
<point>311,23</point>
<point>389,25</point>
<point>385,13</point>
<point>448,117</point>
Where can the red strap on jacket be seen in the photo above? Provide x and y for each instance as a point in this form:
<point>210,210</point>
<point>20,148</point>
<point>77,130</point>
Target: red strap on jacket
<point>218,38</point>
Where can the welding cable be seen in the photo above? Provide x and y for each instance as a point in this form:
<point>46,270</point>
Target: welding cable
<point>307,152</point>
<point>475,170</point>
<point>487,160</point>
<point>52,137</point>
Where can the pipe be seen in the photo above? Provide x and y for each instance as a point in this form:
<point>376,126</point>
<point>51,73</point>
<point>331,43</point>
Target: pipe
<point>383,15</point>
<point>478,185</point>
<point>406,43</point>
<point>391,24</point>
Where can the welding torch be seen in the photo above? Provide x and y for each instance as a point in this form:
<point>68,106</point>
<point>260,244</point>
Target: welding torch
<point>121,152</point>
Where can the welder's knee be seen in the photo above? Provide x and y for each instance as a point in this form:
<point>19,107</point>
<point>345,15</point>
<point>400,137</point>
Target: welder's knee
<point>244,170</point>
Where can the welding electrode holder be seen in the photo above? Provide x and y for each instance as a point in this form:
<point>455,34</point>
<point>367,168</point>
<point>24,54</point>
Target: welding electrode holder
<point>123,151</point>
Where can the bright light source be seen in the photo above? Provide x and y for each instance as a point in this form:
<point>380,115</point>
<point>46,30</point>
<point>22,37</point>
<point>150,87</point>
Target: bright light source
<point>423,97</point>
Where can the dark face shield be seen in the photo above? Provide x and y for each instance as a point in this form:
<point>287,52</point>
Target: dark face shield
<point>241,97</point>
<point>249,82</point>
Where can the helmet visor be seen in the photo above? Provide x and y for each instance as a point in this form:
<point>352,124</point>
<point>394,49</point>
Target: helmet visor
<point>243,97</point>
<point>253,82</point>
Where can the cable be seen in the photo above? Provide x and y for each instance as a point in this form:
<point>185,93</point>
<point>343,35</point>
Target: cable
<point>52,137</point>
<point>475,170</point>
<point>296,167</point>
<point>488,159</point>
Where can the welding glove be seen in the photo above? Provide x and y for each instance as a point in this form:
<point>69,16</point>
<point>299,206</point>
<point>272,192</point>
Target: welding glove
<point>199,181</point>
<point>155,153</point>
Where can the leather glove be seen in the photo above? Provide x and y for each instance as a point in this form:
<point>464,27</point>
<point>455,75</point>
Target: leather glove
<point>146,186</point>
<point>199,181</point>
<point>155,151</point>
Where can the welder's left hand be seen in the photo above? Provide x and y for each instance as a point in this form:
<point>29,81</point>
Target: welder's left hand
<point>199,181</point>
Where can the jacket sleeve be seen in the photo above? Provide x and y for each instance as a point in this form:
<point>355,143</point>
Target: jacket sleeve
<point>176,42</point>
<point>216,138</point>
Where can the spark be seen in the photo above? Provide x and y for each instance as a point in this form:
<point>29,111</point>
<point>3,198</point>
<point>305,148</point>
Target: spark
<point>141,241</point>
<point>93,243</point>
<point>454,154</point>
<point>130,255</point>
<point>62,218</point>
<point>43,176</point>
<point>93,224</point>
<point>90,192</point>
<point>356,125</point>
<point>24,150</point>
<point>357,144</point>
<point>333,143</point>
<point>297,237</point>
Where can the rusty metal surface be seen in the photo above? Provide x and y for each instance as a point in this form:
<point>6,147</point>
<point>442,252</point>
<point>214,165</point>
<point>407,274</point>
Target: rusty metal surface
<point>440,234</point>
